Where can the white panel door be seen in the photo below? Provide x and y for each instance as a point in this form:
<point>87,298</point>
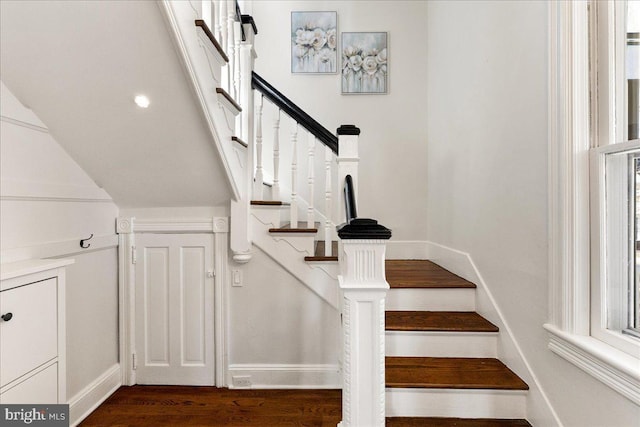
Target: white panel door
<point>174,309</point>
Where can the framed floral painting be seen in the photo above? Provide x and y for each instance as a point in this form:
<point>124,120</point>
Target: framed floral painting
<point>314,42</point>
<point>364,63</point>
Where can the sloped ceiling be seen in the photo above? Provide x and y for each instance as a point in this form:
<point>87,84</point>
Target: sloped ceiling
<point>78,66</point>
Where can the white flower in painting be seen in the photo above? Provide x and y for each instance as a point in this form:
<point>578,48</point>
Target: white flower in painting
<point>332,40</point>
<point>355,62</point>
<point>304,38</point>
<point>349,51</point>
<point>383,69</point>
<point>325,55</point>
<point>370,65</point>
<point>319,38</point>
<point>381,58</point>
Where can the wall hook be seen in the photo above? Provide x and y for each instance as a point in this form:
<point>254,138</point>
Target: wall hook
<point>84,240</point>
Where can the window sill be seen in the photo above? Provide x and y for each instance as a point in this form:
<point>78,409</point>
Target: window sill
<point>617,369</point>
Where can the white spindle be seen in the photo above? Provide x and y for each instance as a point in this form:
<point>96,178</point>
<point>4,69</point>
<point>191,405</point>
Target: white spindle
<point>218,16</point>
<point>207,13</point>
<point>259,178</point>
<point>231,14</point>
<point>222,38</point>
<point>328,156</point>
<point>237,38</point>
<point>311,180</point>
<point>293,217</point>
<point>275,190</point>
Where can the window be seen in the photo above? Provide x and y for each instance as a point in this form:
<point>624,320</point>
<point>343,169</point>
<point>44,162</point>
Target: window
<point>614,99</point>
<point>593,182</point>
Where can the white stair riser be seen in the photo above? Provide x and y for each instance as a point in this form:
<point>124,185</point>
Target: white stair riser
<point>431,299</point>
<point>455,403</point>
<point>441,344</point>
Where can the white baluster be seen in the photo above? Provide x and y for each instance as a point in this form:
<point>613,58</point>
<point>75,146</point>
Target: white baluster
<point>311,180</point>
<point>231,14</point>
<point>328,157</point>
<point>207,13</point>
<point>293,217</point>
<point>222,38</point>
<point>237,38</point>
<point>259,178</point>
<point>275,190</point>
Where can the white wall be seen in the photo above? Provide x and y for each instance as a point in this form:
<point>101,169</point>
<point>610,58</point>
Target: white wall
<point>282,332</point>
<point>393,138</point>
<point>47,204</point>
<point>487,179</point>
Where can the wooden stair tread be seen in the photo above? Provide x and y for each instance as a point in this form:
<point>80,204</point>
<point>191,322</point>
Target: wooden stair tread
<point>454,422</point>
<point>200,23</point>
<point>319,252</point>
<point>458,321</point>
<point>422,274</point>
<point>301,227</point>
<point>268,203</point>
<point>451,372</point>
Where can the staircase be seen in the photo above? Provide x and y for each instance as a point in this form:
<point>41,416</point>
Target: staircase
<point>441,355</point>
<point>441,367</point>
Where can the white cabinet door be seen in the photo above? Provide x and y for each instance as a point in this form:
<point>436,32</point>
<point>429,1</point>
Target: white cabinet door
<point>174,309</point>
<point>29,337</point>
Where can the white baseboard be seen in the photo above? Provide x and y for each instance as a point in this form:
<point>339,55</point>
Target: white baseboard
<point>460,263</point>
<point>267,376</point>
<point>92,396</point>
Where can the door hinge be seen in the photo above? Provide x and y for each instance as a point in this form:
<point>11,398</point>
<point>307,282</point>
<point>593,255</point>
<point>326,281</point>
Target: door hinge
<point>134,256</point>
<point>134,363</point>
<point>211,273</point>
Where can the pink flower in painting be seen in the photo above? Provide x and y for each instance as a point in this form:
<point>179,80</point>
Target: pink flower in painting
<point>370,65</point>
<point>319,38</point>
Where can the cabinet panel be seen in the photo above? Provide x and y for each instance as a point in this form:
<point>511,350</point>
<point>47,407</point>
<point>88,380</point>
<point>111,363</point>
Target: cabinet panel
<point>30,338</point>
<point>40,388</point>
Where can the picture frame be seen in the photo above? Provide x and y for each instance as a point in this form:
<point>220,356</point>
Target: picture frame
<point>314,42</point>
<point>365,64</point>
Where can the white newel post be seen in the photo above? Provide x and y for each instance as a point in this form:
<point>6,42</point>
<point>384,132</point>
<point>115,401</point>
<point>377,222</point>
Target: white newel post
<point>347,161</point>
<point>364,288</point>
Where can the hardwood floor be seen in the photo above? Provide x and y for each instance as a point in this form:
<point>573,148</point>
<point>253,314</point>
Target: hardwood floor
<point>210,406</point>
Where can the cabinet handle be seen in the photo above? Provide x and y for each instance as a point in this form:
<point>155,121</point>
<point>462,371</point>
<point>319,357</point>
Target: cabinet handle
<point>7,317</point>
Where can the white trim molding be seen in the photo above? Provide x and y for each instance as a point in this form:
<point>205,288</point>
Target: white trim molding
<point>290,376</point>
<point>615,368</point>
<point>569,143</point>
<point>89,398</point>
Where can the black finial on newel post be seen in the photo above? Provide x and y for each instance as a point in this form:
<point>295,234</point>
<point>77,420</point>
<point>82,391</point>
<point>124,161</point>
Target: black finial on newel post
<point>348,130</point>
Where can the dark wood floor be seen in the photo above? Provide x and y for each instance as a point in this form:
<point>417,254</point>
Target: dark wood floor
<point>210,406</point>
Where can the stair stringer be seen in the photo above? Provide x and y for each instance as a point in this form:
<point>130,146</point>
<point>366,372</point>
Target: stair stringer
<point>539,408</point>
<point>203,67</point>
<point>322,279</point>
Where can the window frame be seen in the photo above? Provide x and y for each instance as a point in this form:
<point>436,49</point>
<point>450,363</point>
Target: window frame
<point>572,135</point>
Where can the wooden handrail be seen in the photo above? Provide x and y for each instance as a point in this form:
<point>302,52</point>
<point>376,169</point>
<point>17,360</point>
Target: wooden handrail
<point>295,112</point>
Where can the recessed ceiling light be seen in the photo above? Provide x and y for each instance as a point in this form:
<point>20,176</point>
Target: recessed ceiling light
<point>141,101</point>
